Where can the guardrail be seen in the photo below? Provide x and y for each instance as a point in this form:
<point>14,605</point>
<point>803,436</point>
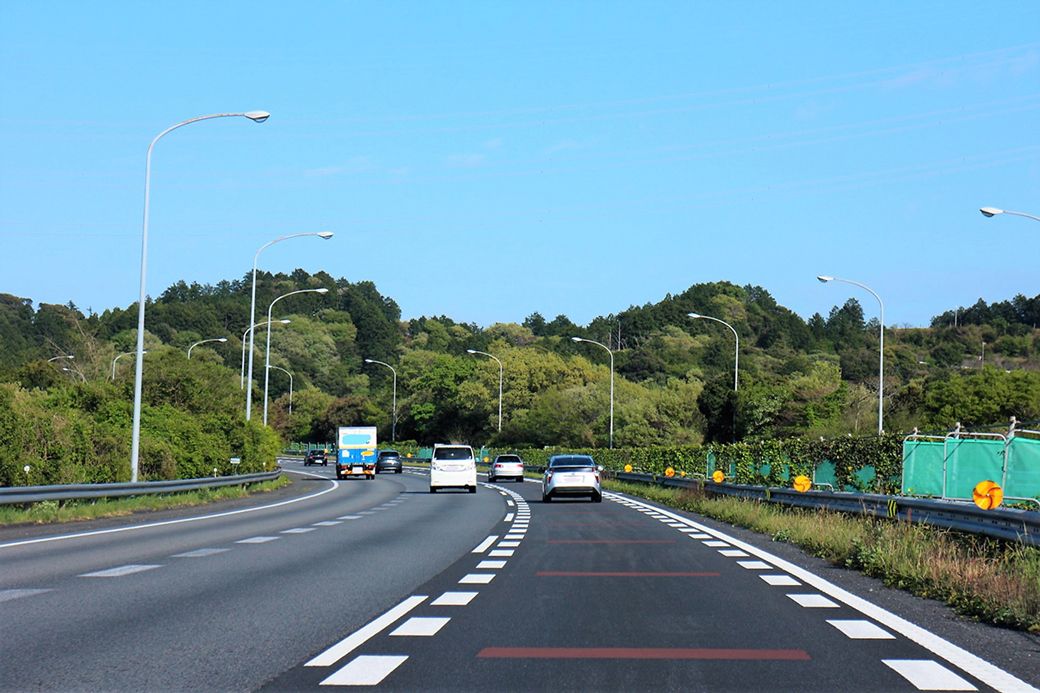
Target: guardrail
<point>1002,523</point>
<point>34,494</point>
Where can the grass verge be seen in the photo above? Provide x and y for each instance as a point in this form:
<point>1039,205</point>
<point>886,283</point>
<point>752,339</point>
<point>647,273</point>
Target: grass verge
<point>992,581</point>
<point>47,512</point>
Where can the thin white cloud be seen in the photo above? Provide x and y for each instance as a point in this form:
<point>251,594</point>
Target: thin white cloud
<point>471,160</point>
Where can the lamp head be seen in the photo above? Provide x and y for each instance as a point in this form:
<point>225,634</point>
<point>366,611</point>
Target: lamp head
<point>322,290</point>
<point>990,211</point>
<point>325,234</point>
<point>222,340</point>
<point>257,116</point>
<point>824,278</point>
<point>470,351</point>
<point>694,315</point>
<point>368,360</point>
<point>576,339</point>
<point>285,321</point>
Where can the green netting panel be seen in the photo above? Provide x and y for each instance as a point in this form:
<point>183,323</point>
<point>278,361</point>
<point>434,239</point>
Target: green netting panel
<point>970,461</point>
<point>922,467</point>
<point>865,477</point>
<point>1023,468</point>
<point>709,465</point>
<point>825,474</point>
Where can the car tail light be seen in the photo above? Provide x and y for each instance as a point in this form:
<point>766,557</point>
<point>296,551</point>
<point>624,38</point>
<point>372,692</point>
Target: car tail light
<point>548,476</point>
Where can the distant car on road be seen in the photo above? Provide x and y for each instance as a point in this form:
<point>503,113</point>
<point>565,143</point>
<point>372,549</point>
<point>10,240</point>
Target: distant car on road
<point>315,457</point>
<point>506,467</point>
<point>571,475</point>
<point>388,461</point>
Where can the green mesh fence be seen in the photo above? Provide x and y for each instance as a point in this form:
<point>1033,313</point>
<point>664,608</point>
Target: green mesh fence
<point>1023,468</point>
<point>971,460</point>
<point>825,474</point>
<point>923,467</point>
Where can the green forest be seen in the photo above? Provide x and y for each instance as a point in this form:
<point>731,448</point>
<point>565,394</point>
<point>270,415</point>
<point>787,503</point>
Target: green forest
<point>68,419</point>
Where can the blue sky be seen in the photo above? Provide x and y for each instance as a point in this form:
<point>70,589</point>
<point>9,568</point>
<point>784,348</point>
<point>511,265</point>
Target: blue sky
<point>486,160</point>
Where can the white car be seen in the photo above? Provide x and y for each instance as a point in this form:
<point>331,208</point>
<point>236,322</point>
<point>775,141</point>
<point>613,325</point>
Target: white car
<point>571,475</point>
<point>506,467</point>
<point>453,466</point>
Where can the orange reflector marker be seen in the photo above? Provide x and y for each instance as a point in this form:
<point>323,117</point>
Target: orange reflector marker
<point>669,472</point>
<point>987,495</point>
<point>718,477</point>
<point>802,483</point>
<point>628,469</point>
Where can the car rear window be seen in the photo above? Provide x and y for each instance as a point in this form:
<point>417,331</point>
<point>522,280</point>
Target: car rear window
<point>508,458</point>
<point>571,462</point>
<point>459,453</point>
<point>389,453</point>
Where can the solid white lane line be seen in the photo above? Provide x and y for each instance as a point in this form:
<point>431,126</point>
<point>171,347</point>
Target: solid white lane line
<point>421,626</point>
<point>509,544</point>
<point>506,553</point>
<point>297,530</point>
<point>928,675</point>
<point>754,565</point>
<point>813,601</point>
<point>477,579</point>
<point>8,595</point>
<point>732,553</point>
<point>256,540</point>
<point>366,670</point>
<point>121,570</point>
<point>780,580</point>
<point>362,635</point>
<point>486,544</point>
<point>957,656</point>
<point>199,553</point>
<point>861,630</point>
<point>41,540</point>
<point>349,517</point>
<point>508,518</point>
<point>454,599</point>
<point>328,523</point>
<point>490,565</point>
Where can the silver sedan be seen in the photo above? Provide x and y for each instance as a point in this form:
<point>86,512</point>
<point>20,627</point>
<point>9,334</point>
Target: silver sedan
<point>571,475</point>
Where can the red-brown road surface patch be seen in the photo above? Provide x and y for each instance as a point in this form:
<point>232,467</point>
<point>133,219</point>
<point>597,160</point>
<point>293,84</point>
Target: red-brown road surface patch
<point>703,653</point>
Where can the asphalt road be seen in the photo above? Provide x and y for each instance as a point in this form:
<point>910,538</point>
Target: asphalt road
<point>380,583</point>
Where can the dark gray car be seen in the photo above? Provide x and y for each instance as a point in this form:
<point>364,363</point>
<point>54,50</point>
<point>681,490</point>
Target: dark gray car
<point>388,461</point>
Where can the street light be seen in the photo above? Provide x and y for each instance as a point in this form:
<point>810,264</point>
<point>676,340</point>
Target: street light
<point>135,438</point>
<point>736,351</point>
<point>881,359</point>
<point>579,339</point>
<point>252,306</point>
<point>73,370</point>
<point>393,419</point>
<point>267,354</point>
<point>994,211</point>
<point>242,373</point>
<point>55,358</point>
<point>218,339</point>
<point>125,353</point>
<point>501,372</point>
<point>290,385</point>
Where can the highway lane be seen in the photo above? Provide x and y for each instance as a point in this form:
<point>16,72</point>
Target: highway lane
<point>230,601</point>
<point>622,596</point>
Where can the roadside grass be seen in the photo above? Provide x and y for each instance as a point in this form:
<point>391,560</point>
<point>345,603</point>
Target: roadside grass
<point>992,581</point>
<point>47,512</point>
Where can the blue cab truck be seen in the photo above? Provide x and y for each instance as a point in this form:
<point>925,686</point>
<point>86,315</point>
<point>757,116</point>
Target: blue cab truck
<point>356,452</point>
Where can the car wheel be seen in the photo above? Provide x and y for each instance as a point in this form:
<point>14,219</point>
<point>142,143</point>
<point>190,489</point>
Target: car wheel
<point>545,498</point>
<point>433,489</point>
<point>472,489</point>
<point>597,497</point>
<point>398,471</point>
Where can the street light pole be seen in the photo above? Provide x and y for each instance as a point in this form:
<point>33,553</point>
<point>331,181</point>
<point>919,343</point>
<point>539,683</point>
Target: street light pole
<point>611,353</point>
<point>242,373</point>
<point>290,385</point>
<point>994,211</point>
<point>125,353</point>
<point>736,351</point>
<point>73,370</point>
<point>55,358</point>
<point>217,339</point>
<point>267,355</point>
<point>393,418</point>
<point>135,438</point>
<point>252,306</point>
<point>881,358</point>
<point>501,373</point>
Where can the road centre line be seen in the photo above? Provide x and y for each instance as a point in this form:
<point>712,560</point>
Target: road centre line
<point>121,571</point>
<point>114,530</point>
<point>363,634</point>
<point>959,657</point>
<point>486,544</point>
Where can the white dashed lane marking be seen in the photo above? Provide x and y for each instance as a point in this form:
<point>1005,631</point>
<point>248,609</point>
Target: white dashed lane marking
<point>509,517</point>
<point>366,670</point>
<point>454,599</point>
<point>363,634</point>
<point>8,595</point>
<point>421,626</point>
<point>121,571</point>
<point>477,579</point>
<point>501,553</point>
<point>861,630</point>
<point>716,544</point>
<point>928,675</point>
<point>780,580</point>
<point>349,517</point>
<point>813,601</point>
<point>732,553</point>
<point>486,544</point>
<point>755,565</point>
<point>490,565</point>
<point>327,523</point>
<point>256,540</point>
<point>509,544</point>
<point>297,530</point>
<point>199,553</point>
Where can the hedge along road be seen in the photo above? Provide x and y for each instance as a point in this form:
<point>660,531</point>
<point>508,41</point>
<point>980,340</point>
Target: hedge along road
<point>626,596</point>
<point>224,600</point>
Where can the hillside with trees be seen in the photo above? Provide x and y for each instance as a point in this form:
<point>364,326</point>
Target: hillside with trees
<point>673,375</point>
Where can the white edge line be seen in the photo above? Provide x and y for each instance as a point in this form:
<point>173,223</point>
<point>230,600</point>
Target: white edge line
<point>362,635</point>
<point>114,530</point>
<point>957,656</point>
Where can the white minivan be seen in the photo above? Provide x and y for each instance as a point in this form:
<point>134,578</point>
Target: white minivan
<point>453,466</point>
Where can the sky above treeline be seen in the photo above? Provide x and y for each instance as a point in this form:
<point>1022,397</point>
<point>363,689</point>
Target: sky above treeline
<point>489,160</point>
